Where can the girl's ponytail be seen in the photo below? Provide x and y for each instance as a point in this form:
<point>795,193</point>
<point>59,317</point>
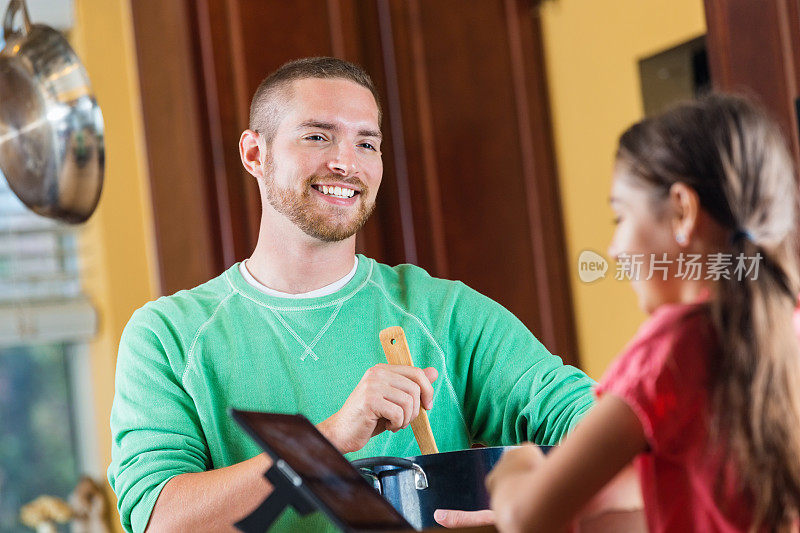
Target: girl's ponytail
<point>755,389</point>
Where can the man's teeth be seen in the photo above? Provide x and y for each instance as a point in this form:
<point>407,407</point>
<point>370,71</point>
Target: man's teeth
<point>339,192</point>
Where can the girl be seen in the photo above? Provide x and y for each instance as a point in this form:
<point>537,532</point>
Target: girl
<point>706,397</point>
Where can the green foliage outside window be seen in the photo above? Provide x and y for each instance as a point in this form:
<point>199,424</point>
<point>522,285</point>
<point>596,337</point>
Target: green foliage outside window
<point>38,451</point>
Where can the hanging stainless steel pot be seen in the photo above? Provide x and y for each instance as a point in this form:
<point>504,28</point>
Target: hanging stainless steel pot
<point>51,129</point>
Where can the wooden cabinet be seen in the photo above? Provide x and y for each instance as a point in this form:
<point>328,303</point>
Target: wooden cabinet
<point>754,49</point>
<point>469,189</point>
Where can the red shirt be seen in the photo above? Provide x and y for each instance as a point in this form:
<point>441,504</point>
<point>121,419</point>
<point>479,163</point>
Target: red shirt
<point>663,376</point>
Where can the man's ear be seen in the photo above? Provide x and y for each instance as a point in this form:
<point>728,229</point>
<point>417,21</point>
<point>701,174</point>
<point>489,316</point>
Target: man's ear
<point>251,153</point>
<point>685,209</point>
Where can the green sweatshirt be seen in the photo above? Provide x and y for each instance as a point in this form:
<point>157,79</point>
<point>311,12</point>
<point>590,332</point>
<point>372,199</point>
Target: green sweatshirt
<point>184,359</point>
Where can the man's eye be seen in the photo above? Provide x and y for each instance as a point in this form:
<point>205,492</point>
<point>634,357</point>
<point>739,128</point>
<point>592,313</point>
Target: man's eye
<point>314,137</point>
<point>368,146</point>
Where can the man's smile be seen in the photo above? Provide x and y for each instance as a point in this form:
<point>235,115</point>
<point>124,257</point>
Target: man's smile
<point>336,191</point>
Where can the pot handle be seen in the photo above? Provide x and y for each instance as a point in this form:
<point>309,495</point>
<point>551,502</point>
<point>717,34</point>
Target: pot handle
<point>14,7</point>
<point>367,466</point>
<point>376,482</point>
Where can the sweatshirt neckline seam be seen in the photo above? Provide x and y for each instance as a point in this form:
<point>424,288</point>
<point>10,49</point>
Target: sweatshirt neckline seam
<point>341,299</point>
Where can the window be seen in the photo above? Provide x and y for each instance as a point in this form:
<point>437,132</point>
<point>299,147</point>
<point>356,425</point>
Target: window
<point>46,414</point>
<point>46,441</point>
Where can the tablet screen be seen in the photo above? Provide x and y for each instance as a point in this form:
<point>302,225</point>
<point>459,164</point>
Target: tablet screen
<point>344,495</point>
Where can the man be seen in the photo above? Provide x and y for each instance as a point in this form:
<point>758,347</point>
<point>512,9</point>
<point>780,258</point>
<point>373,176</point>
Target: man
<point>295,327</point>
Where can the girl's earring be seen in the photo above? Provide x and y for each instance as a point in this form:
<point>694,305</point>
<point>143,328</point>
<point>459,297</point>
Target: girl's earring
<point>680,238</point>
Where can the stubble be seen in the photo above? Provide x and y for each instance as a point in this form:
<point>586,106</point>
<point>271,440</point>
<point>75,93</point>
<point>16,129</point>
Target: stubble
<point>323,221</point>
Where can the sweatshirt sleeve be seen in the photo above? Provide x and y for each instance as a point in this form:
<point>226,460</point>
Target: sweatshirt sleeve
<point>514,389</point>
<point>156,433</point>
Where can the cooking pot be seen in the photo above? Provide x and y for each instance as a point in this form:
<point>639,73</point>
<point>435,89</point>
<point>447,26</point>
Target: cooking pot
<point>417,486</point>
<point>51,128</point>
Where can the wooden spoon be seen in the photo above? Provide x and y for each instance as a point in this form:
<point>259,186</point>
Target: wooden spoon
<point>395,347</point>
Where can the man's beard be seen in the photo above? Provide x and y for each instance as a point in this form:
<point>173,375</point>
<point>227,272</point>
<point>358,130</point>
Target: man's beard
<point>326,222</point>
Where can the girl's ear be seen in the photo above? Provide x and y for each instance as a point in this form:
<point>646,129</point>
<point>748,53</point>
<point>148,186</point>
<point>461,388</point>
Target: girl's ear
<point>685,208</point>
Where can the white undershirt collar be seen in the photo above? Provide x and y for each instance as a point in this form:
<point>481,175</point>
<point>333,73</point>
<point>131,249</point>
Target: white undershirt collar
<point>316,293</point>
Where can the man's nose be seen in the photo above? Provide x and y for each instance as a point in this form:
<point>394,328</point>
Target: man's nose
<point>343,160</point>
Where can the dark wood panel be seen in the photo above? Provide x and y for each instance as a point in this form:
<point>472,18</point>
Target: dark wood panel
<point>389,234</point>
<point>417,137</point>
<point>754,48</point>
<point>480,156</point>
<point>235,191</point>
<point>477,152</point>
<point>275,31</point>
<point>183,210</point>
<point>541,180</point>
<point>391,231</point>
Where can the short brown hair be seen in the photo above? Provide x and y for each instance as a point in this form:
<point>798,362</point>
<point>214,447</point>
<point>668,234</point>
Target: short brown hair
<point>265,106</point>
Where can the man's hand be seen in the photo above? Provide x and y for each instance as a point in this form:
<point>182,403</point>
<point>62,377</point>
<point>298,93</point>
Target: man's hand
<point>387,397</point>
<point>451,518</point>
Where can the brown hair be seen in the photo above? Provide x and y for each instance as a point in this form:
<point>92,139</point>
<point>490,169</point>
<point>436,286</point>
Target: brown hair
<point>265,108</point>
<point>727,150</point>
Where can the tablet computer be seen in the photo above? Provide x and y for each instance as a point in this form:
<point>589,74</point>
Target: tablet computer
<point>322,474</point>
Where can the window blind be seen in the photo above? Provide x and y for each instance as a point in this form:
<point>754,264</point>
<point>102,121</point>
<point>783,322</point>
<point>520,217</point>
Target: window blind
<point>41,298</point>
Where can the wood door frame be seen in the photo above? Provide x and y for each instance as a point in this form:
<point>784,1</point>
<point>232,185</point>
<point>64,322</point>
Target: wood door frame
<point>754,48</point>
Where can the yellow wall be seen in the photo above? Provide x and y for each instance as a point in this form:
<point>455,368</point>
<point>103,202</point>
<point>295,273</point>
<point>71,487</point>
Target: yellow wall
<point>592,48</point>
<point>118,241</point>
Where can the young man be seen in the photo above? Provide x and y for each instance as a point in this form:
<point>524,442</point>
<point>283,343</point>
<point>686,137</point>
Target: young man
<point>294,328</point>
